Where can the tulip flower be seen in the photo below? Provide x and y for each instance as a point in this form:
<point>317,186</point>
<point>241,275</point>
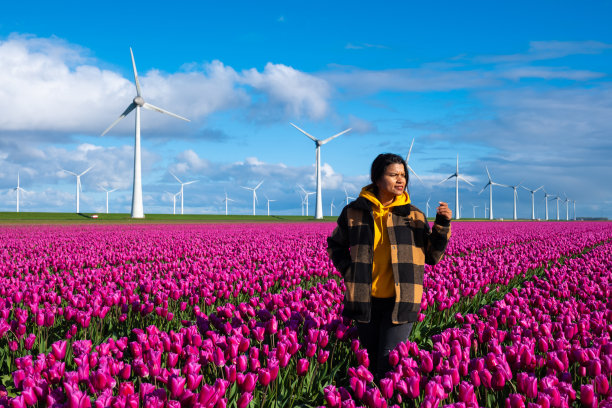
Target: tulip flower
<point>302,366</point>
<point>59,349</point>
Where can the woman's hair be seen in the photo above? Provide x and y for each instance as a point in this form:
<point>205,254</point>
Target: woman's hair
<point>380,164</point>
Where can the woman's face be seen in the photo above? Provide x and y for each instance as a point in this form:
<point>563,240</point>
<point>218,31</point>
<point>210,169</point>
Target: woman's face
<point>393,180</point>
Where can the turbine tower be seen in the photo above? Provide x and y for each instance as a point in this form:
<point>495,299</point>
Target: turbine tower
<point>490,184</point>
<point>79,188</point>
<point>427,207</point>
<point>137,103</point>
<point>226,200</point>
<point>457,177</point>
<point>515,195</point>
<point>331,208</point>
<point>546,200</point>
<point>410,168</point>
<point>306,194</point>
<point>567,200</point>
<point>557,198</point>
<point>533,200</point>
<point>107,193</point>
<point>254,193</point>
<point>268,204</point>
<point>474,207</point>
<point>18,189</point>
<point>318,144</point>
<point>182,184</point>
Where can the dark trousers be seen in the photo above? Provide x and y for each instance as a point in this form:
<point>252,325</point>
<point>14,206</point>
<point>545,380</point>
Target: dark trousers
<point>380,335</point>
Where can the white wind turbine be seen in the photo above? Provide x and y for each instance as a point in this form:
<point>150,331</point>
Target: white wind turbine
<point>331,208</point>
<point>301,201</point>
<point>410,168</point>
<point>427,207</point>
<point>268,204</point>
<point>318,144</point>
<point>347,196</point>
<point>254,193</point>
<point>173,200</point>
<point>474,207</point>
<point>533,199</point>
<point>557,198</point>
<point>182,184</point>
<point>490,184</point>
<point>567,200</point>
<point>137,103</point>
<point>226,200</point>
<point>306,194</point>
<point>546,200</point>
<point>515,195</point>
<point>457,177</point>
<point>18,189</point>
<point>79,187</point>
<point>107,193</point>
<point>485,210</point>
<point>574,201</point>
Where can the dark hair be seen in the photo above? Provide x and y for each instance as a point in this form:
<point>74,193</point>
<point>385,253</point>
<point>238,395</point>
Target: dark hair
<point>380,164</point>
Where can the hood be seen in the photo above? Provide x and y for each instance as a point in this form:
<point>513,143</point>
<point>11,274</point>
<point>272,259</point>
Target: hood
<point>368,193</point>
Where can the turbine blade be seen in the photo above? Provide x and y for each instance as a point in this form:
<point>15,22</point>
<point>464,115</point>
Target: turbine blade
<point>177,179</point>
<point>466,181</point>
<point>413,172</point>
<point>138,90</point>
<point>114,189</point>
<point>488,174</point>
<point>449,177</point>
<point>123,115</point>
<point>538,189</point>
<point>190,182</point>
<point>246,188</point>
<point>485,187</point>
<point>329,139</point>
<point>160,110</point>
<point>260,183</point>
<point>74,174</point>
<point>408,155</point>
<point>314,139</point>
<point>90,167</point>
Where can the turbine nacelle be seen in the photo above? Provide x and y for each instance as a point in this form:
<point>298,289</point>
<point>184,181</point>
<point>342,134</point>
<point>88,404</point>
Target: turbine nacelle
<point>139,100</point>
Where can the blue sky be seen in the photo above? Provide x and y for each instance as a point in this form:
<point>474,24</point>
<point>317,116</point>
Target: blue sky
<point>521,87</point>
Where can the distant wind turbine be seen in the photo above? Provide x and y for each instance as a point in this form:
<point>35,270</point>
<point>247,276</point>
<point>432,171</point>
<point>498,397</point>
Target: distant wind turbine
<point>410,168</point>
<point>347,196</point>
<point>474,207</point>
<point>318,144</point>
<point>457,177</point>
<point>331,208</point>
<point>226,200</point>
<point>546,200</point>
<point>18,189</point>
<point>427,207</point>
<point>515,195</point>
<point>533,199</point>
<point>137,103</point>
<point>254,193</point>
<point>268,204</point>
<point>107,193</point>
<point>306,194</point>
<point>567,200</point>
<point>79,187</point>
<point>182,185</point>
<point>490,184</point>
<point>557,198</point>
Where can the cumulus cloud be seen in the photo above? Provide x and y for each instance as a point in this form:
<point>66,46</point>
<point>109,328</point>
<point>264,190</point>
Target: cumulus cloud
<point>297,93</point>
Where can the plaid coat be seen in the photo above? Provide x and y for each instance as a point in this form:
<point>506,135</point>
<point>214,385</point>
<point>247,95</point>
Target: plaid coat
<point>412,242</point>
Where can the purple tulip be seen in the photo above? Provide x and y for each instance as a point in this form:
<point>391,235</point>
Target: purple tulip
<point>59,349</point>
<point>515,401</point>
<point>386,388</point>
<point>302,366</point>
<point>245,399</point>
<point>332,396</point>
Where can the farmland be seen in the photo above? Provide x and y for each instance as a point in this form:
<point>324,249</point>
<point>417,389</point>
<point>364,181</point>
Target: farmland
<point>217,315</point>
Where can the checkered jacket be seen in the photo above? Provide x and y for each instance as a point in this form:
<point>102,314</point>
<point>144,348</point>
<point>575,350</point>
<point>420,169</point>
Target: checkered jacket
<point>412,242</point>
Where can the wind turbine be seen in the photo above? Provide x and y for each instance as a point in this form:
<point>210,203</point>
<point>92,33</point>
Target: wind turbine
<point>18,189</point>
<point>515,195</point>
<point>137,103</point>
<point>254,193</point>
<point>567,200</point>
<point>331,208</point>
<point>457,177</point>
<point>347,196</point>
<point>318,144</point>
<point>546,200</point>
<point>557,198</point>
<point>474,207</point>
<point>182,184</point>
<point>226,200</point>
<point>533,200</point>
<point>574,201</point>
<point>268,204</point>
<point>107,193</point>
<point>485,210</point>
<point>490,184</point>
<point>427,207</point>
<point>79,187</point>
<point>410,168</point>
<point>306,194</point>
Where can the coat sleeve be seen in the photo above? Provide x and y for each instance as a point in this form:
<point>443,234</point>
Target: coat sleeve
<point>338,244</point>
<point>436,240</point>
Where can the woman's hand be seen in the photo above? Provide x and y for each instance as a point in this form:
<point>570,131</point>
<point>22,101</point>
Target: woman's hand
<point>444,211</point>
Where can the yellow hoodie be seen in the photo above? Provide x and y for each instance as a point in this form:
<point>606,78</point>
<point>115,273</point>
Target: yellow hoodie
<point>383,285</point>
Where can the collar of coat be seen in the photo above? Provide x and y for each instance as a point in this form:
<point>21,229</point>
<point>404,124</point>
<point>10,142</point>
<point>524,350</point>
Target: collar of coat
<point>362,203</point>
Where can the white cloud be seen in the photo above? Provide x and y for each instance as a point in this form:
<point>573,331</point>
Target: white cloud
<point>299,94</point>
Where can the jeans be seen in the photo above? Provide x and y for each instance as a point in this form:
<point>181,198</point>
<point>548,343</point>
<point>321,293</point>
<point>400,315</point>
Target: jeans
<point>380,335</point>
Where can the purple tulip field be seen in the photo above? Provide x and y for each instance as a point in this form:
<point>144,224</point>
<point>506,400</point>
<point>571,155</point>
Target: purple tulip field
<point>518,314</point>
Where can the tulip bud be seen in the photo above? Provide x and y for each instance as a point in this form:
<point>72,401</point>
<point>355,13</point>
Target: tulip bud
<point>302,366</point>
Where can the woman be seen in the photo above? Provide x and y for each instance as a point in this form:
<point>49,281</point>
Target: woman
<point>380,246</point>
